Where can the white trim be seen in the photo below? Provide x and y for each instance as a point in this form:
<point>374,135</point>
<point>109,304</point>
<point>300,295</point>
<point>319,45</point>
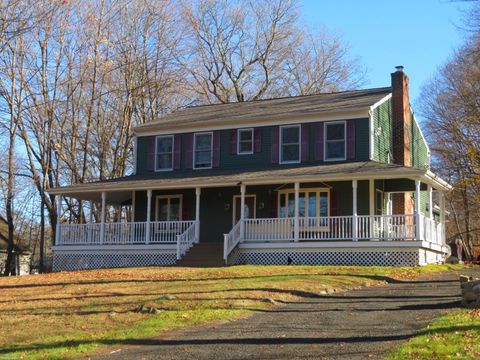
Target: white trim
<point>135,150</point>
<point>284,120</point>
<point>134,200</point>
<point>382,194</point>
<point>156,152</point>
<point>372,124</point>
<point>325,159</point>
<point>169,197</point>
<point>194,150</point>
<point>421,134</point>
<point>299,144</point>
<point>239,139</point>
<point>88,248</point>
<point>234,212</point>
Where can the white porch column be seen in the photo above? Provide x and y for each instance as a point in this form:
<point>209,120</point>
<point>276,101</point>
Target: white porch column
<point>296,224</point>
<point>59,222</point>
<point>371,206</point>
<point>197,214</point>
<point>355,210</point>
<point>418,217</point>
<point>102,220</point>
<point>430,201</point>
<point>442,216</point>
<point>149,214</point>
<point>90,218</point>
<point>242,211</point>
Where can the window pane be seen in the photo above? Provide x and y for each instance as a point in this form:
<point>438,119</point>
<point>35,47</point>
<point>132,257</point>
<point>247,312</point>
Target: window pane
<point>164,145</point>
<point>323,204</point>
<point>245,146</point>
<point>174,209</point>
<point>283,212</point>
<point>290,135</point>
<point>290,153</point>
<point>301,204</point>
<point>335,132</point>
<point>312,204</point>
<point>164,161</point>
<point>162,214</point>
<point>336,150</point>
<point>203,142</point>
<point>203,158</point>
<point>291,205</point>
<point>245,135</point>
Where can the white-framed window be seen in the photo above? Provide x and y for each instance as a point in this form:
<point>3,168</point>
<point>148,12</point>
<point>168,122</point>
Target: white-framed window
<point>245,141</point>
<point>379,202</point>
<point>164,153</point>
<point>202,150</point>
<point>335,141</point>
<point>312,203</point>
<point>168,208</point>
<point>290,144</point>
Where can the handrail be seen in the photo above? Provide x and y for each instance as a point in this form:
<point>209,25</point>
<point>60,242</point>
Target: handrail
<point>186,240</point>
<point>231,240</point>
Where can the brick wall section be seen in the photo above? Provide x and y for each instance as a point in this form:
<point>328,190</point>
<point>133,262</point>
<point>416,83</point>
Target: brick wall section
<point>401,119</point>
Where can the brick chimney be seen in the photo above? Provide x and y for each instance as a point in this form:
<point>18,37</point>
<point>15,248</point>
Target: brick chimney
<point>401,118</point>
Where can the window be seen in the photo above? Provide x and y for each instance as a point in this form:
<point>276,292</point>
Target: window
<point>335,141</point>
<point>169,208</point>
<point>312,203</point>
<point>202,155</point>
<point>290,144</point>
<point>245,141</point>
<point>379,202</point>
<point>164,153</point>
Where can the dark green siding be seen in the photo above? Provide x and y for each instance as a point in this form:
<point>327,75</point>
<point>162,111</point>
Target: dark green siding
<point>262,159</point>
<point>382,128</point>
<point>419,152</point>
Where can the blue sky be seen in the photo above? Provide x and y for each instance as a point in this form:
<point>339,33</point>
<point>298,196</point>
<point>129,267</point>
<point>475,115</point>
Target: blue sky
<point>418,34</point>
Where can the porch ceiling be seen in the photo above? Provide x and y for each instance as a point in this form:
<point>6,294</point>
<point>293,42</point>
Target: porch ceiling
<point>122,187</point>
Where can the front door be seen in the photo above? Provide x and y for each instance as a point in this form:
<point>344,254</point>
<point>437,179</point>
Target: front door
<point>250,210</point>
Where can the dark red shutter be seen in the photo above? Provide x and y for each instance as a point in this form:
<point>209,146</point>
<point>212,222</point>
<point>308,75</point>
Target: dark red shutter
<point>257,138</point>
<point>274,142</point>
<point>151,153</point>
<point>273,204</point>
<point>233,141</point>
<point>319,142</point>
<point>216,149</point>
<point>305,137</point>
<point>351,139</point>
<point>177,151</point>
<point>189,152</point>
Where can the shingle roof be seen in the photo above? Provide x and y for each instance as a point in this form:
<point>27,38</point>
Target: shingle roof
<point>216,177</point>
<point>354,100</point>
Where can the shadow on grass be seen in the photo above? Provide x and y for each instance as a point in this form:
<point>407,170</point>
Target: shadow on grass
<point>263,339</point>
<point>386,279</point>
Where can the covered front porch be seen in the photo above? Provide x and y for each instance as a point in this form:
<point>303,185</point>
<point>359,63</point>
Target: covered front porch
<point>308,215</point>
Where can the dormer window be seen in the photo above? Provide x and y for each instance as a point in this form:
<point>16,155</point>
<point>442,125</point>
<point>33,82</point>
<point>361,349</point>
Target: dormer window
<point>203,149</point>
<point>245,141</point>
<point>290,144</point>
<point>335,144</point>
<point>164,153</point>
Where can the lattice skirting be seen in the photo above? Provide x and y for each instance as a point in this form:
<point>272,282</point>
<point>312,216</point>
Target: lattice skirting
<point>363,257</point>
<point>83,260</point>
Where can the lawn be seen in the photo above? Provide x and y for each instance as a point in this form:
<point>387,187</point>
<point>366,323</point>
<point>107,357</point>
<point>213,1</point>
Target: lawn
<point>64,315</point>
<point>453,336</point>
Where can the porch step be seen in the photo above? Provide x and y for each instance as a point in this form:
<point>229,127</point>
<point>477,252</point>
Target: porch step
<point>203,255</point>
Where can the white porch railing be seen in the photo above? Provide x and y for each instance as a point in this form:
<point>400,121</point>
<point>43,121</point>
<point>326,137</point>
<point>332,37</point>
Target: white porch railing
<point>122,233</point>
<point>269,229</point>
<point>231,240</point>
<point>186,240</point>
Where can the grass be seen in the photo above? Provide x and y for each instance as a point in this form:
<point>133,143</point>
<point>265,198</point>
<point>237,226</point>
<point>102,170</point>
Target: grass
<point>452,336</point>
<point>65,315</point>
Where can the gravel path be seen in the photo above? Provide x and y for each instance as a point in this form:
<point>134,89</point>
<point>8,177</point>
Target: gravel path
<point>359,324</point>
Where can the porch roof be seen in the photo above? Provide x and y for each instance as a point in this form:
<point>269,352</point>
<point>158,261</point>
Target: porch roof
<point>221,178</point>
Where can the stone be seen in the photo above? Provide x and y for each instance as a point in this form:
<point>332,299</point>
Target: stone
<point>270,300</point>
<point>464,278</point>
<point>168,297</point>
<point>452,260</point>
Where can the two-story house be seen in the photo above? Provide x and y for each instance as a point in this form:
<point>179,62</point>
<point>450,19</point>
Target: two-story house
<point>336,178</point>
